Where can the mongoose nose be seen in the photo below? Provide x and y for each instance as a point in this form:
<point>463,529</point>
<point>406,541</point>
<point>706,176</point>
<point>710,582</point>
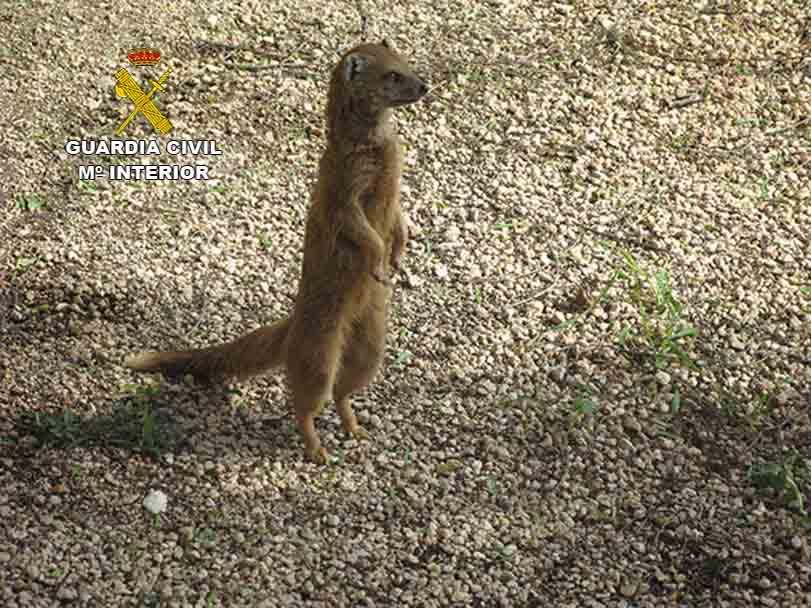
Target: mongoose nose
<point>423,88</point>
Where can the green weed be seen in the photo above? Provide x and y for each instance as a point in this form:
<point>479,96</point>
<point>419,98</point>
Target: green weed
<point>786,478</point>
<point>265,241</point>
<point>30,202</point>
<point>133,424</point>
<point>583,409</point>
<point>660,330</point>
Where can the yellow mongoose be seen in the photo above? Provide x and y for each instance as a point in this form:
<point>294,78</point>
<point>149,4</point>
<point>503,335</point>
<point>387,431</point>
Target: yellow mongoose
<point>332,344</point>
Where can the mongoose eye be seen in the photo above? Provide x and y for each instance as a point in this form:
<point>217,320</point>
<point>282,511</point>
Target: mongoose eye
<point>394,76</point>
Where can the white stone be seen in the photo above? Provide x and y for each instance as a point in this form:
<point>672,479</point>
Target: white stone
<point>155,502</point>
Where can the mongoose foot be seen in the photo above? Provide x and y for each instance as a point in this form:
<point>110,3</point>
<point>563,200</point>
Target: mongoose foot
<point>318,456</point>
<point>380,276</point>
<point>359,433</point>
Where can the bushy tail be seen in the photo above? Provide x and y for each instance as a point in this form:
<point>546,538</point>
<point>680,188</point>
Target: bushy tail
<point>252,354</point>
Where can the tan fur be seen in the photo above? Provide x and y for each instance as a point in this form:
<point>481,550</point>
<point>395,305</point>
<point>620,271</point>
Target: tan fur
<point>332,344</point>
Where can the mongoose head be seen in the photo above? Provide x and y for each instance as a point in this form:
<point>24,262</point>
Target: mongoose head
<point>371,79</point>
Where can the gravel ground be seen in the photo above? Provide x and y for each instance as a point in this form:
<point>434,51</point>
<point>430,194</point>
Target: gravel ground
<point>596,390</point>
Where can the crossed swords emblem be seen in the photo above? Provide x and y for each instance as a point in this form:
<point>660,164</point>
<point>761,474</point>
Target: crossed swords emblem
<point>127,87</point>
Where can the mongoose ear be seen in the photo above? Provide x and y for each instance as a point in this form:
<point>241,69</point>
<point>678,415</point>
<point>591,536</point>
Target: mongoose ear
<point>385,43</point>
<point>354,64</point>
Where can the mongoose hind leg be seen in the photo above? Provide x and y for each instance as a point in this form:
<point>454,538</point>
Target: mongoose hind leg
<point>305,417</point>
<point>308,403</point>
<point>363,353</point>
<point>312,362</point>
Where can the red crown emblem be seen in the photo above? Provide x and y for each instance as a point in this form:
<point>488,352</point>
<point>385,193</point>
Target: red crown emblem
<point>144,56</point>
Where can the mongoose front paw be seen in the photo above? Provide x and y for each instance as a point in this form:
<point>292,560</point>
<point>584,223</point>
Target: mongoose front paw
<point>379,275</point>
